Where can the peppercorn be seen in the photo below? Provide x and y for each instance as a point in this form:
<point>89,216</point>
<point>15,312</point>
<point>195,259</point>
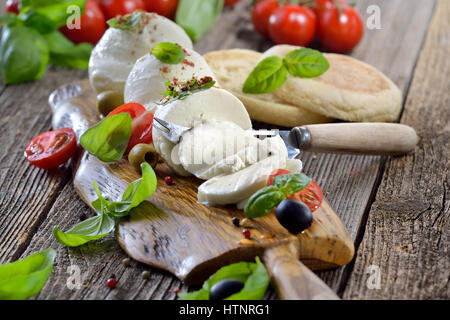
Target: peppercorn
<point>168,180</point>
<point>145,275</point>
<point>111,283</point>
<point>235,221</point>
<point>126,262</point>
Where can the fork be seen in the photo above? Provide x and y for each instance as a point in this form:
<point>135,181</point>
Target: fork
<point>169,130</point>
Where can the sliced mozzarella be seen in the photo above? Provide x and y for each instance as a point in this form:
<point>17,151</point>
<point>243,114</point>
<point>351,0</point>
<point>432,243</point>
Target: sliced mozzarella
<point>146,81</point>
<point>238,186</point>
<point>117,51</point>
<point>211,104</point>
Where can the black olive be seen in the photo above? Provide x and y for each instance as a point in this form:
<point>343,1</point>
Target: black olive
<point>294,215</point>
<point>225,288</point>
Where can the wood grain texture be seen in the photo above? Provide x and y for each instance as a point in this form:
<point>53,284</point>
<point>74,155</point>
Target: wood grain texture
<point>172,231</point>
<point>347,181</point>
<point>408,229</point>
<point>361,138</point>
<point>26,192</point>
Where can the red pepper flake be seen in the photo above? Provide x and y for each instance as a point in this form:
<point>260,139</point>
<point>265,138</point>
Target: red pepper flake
<point>165,69</point>
<point>177,291</point>
<point>168,180</point>
<point>246,233</point>
<point>189,63</point>
<point>111,283</point>
<point>133,52</point>
<point>186,53</point>
<point>175,81</point>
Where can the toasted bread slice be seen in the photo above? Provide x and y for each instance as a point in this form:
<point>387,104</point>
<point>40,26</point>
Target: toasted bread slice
<point>232,67</point>
<point>350,90</point>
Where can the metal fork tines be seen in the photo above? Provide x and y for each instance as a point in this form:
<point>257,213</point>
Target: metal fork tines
<point>172,132</point>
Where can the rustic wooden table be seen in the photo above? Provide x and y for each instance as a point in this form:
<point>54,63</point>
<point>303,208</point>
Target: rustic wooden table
<point>396,209</point>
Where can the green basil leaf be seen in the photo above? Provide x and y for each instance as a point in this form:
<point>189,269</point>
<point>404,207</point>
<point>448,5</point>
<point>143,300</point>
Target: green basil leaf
<point>24,55</point>
<point>254,276</point>
<point>108,139</point>
<point>255,286</point>
<point>197,16</point>
<point>91,229</point>
<point>9,19</point>
<point>56,10</point>
<point>168,52</point>
<point>291,183</point>
<point>263,201</point>
<point>306,63</point>
<point>24,278</point>
<point>126,22</point>
<point>66,54</point>
<point>137,192</point>
<point>35,20</point>
<point>268,75</point>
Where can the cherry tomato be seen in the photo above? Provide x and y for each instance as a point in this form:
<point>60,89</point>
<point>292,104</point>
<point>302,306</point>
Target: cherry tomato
<point>339,32</point>
<point>261,12</point>
<point>12,6</point>
<point>133,109</point>
<point>312,195</point>
<point>166,8</point>
<point>231,2</point>
<point>277,172</point>
<point>292,24</point>
<point>113,8</point>
<point>141,131</point>
<point>92,23</point>
<point>51,149</point>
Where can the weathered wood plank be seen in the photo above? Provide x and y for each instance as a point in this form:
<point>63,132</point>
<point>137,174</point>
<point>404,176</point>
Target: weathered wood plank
<point>96,261</point>
<point>26,193</point>
<point>408,229</point>
<point>347,181</point>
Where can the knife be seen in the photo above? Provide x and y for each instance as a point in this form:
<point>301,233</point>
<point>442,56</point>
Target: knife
<point>365,138</point>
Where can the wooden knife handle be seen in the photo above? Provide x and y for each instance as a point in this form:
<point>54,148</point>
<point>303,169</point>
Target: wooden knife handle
<point>356,138</point>
<point>291,278</point>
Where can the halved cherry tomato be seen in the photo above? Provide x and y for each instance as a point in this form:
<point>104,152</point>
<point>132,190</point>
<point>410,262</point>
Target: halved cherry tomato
<point>261,12</point>
<point>312,195</point>
<point>141,131</point>
<point>339,30</point>
<point>92,25</point>
<point>277,172</point>
<point>113,8</point>
<point>51,149</point>
<point>133,109</point>
<point>12,6</point>
<point>166,8</point>
<point>292,24</point>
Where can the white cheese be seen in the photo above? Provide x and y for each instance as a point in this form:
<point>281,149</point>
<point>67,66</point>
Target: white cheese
<point>117,51</point>
<point>146,81</point>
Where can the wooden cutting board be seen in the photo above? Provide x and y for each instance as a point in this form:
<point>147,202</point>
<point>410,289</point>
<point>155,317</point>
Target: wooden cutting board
<point>173,232</point>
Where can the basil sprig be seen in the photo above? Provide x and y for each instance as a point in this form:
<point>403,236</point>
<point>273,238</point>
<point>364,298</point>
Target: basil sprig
<point>101,225</point>
<point>197,16</point>
<point>306,63</point>
<point>31,40</point>
<point>254,276</point>
<point>24,278</point>
<point>127,22</point>
<point>108,139</point>
<point>168,52</point>
<point>271,72</point>
<point>268,75</point>
<point>265,199</point>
